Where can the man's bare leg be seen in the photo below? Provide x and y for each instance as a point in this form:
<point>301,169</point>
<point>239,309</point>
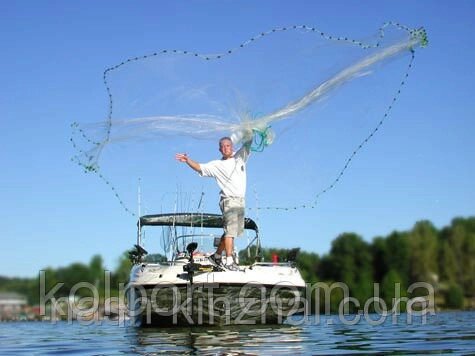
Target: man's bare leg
<point>221,246</point>
<point>228,245</point>
<point>225,244</point>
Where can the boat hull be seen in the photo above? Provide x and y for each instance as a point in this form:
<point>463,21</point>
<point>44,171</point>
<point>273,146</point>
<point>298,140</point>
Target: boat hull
<point>213,304</point>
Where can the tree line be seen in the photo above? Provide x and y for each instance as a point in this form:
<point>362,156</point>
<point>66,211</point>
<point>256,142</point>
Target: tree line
<point>444,257</point>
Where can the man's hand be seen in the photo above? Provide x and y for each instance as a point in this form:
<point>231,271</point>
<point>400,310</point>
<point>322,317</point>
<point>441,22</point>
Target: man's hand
<point>247,135</point>
<point>182,157</point>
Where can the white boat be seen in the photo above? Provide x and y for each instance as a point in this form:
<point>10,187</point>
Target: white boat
<point>188,289</point>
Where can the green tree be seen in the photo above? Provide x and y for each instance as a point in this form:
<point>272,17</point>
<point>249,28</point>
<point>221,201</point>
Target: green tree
<point>454,297</point>
<point>455,237</point>
<point>122,272</point>
<point>96,267</point>
<point>424,252</point>
<point>27,287</point>
<point>325,269</point>
<point>448,263</point>
<point>461,239</point>
<point>73,274</point>
<point>308,263</point>
<point>352,264</point>
<point>398,257</point>
<point>379,254</point>
<point>392,284</point>
<point>97,270</point>
<point>468,279</point>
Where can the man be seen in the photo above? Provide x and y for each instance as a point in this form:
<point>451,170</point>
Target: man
<point>230,174</point>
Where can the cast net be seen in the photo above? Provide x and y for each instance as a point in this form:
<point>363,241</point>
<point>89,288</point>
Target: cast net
<point>310,100</point>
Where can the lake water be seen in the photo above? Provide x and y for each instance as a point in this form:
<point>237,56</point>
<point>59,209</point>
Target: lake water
<point>443,333</point>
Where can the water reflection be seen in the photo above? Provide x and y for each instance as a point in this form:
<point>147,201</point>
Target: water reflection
<point>440,334</point>
<point>446,333</point>
<point>231,340</point>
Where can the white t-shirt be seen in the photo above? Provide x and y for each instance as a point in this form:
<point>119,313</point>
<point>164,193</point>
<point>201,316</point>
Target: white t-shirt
<point>230,174</point>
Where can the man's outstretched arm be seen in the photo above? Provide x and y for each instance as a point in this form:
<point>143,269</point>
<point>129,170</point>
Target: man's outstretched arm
<point>183,157</point>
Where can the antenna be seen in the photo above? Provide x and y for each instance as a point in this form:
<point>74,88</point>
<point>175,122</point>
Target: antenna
<point>200,211</point>
<point>139,199</point>
<point>139,237</point>
<point>201,199</point>
<point>256,197</point>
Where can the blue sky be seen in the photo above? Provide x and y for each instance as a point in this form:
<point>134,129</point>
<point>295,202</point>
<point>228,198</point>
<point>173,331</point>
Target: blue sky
<point>421,166</point>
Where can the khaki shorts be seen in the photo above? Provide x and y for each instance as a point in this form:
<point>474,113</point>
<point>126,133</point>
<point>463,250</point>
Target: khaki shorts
<point>233,216</point>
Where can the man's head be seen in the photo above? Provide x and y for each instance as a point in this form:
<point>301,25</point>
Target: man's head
<point>226,147</point>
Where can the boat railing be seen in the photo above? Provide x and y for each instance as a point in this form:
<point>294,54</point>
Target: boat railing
<point>254,243</point>
<point>273,264</point>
